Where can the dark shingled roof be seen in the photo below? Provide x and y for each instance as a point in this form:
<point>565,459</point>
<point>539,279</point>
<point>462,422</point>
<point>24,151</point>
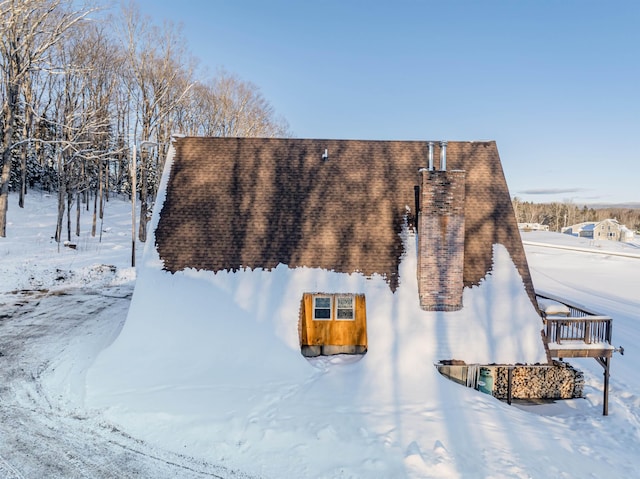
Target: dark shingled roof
<point>236,203</point>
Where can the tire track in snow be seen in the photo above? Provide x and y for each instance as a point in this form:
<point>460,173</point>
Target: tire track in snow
<point>43,437</point>
<point>8,471</point>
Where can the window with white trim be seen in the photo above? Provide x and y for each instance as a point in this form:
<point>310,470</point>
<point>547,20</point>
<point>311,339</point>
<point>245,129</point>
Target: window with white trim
<point>338,307</point>
<point>345,308</point>
<point>322,306</point>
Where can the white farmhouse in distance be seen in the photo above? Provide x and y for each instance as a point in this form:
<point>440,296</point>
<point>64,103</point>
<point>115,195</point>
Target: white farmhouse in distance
<point>608,229</point>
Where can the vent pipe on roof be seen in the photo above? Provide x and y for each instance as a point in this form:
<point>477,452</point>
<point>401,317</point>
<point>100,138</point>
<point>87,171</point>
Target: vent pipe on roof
<point>443,155</point>
<point>431,156</point>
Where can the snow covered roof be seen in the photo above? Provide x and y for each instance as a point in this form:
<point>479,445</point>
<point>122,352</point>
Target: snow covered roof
<point>253,203</point>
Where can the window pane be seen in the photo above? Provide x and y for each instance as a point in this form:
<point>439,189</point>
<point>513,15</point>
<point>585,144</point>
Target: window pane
<point>322,307</point>
<point>345,301</point>
<point>323,302</point>
<point>344,307</point>
<point>322,314</point>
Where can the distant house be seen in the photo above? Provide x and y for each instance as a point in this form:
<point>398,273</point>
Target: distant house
<point>582,230</point>
<point>609,229</point>
<point>532,227</point>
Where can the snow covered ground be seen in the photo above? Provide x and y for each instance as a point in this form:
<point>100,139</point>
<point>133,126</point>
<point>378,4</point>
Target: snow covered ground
<point>61,307</point>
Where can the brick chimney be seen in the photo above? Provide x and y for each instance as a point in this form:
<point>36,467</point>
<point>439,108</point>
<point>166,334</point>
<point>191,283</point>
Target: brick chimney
<point>441,238</point>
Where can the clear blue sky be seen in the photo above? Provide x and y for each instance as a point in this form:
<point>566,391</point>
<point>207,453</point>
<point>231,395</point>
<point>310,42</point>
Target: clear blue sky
<point>555,82</point>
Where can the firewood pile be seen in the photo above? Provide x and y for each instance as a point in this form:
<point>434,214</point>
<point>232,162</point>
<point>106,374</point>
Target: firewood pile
<point>557,381</point>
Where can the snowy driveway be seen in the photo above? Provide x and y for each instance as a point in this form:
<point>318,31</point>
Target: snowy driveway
<point>47,341</point>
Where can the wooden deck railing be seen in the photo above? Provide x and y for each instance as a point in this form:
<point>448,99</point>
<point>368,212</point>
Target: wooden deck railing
<point>588,329</point>
<point>579,325</point>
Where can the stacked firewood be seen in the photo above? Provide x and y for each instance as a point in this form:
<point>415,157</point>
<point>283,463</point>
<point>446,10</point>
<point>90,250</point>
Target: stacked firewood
<point>557,381</point>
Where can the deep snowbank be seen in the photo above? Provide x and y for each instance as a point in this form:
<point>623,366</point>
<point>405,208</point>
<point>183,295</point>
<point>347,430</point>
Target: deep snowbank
<point>210,364</point>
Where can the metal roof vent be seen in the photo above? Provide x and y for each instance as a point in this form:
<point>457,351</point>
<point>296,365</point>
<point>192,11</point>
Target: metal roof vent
<point>431,156</point>
<point>443,155</point>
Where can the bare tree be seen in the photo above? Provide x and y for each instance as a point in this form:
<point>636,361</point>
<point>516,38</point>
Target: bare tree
<point>83,95</point>
<point>160,78</point>
<point>102,66</point>
<point>29,28</point>
<point>229,106</point>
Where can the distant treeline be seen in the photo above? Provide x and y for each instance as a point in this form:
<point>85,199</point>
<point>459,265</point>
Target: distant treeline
<point>560,215</point>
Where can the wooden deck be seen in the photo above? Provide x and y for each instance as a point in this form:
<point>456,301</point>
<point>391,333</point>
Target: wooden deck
<point>572,331</point>
<point>575,337</point>
<point>576,332</point>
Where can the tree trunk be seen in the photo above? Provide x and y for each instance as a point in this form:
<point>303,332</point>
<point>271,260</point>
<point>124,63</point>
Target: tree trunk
<point>101,174</point>
<point>69,203</point>
<point>78,214</point>
<point>23,172</point>
<point>10,107</point>
<point>4,194</point>
<point>26,133</point>
<point>95,214</point>
<point>144,190</point>
<point>142,227</point>
<point>61,196</point>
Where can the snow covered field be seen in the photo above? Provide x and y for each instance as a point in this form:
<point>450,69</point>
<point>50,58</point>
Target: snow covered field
<point>60,308</point>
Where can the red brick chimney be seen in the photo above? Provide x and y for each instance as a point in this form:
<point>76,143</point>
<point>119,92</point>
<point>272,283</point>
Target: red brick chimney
<point>441,237</point>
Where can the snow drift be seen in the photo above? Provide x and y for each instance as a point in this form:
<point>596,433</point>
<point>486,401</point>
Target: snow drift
<point>212,363</point>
